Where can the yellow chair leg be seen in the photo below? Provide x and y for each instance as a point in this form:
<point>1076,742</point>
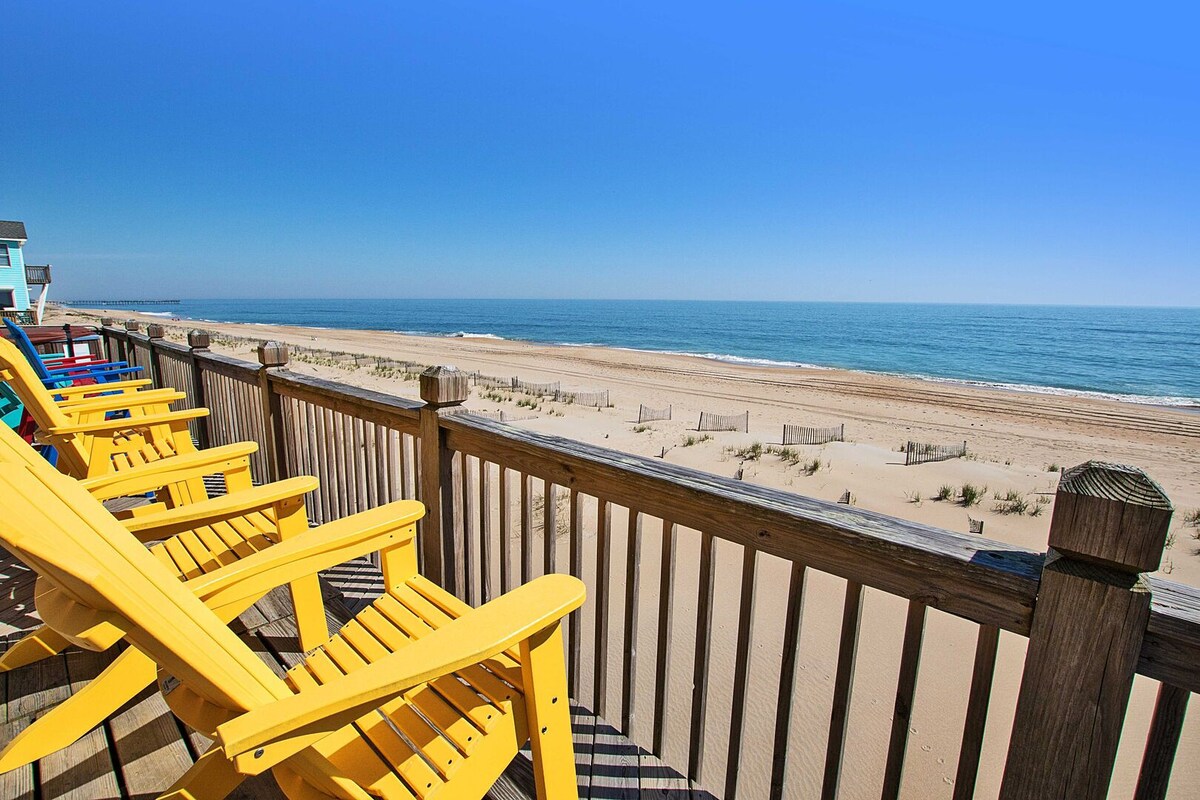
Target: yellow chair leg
<point>311,625</point>
<point>42,643</point>
<point>544,675</point>
<point>67,722</point>
<point>212,777</point>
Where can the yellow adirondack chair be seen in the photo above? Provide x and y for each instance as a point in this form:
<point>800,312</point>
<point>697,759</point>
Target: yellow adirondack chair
<point>419,696</point>
<point>202,538</point>
<point>89,445</point>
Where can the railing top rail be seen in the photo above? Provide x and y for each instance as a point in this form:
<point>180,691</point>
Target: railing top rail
<point>986,581</point>
<point>381,407</point>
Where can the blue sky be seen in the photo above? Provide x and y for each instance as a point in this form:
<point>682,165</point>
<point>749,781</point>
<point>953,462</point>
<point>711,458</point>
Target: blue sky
<point>823,151</point>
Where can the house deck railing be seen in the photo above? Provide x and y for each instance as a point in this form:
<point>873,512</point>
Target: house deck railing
<point>712,680</point>
<point>37,275</point>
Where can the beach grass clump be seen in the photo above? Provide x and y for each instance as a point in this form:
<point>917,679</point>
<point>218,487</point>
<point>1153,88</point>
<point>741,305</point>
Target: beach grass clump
<point>913,497</point>
<point>790,455</point>
<point>641,428</point>
<point>1013,502</point>
<point>1170,540</point>
<point>752,452</point>
<point>1192,518</point>
<point>813,467</point>
<point>1036,509</point>
<point>1053,468</point>
<point>944,492</point>
<point>528,402</point>
<point>970,494</point>
<point>691,441</point>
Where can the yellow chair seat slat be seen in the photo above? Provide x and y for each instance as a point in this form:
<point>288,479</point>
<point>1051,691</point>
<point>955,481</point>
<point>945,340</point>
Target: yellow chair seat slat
<point>357,754</point>
<point>411,626</point>
<point>454,688</point>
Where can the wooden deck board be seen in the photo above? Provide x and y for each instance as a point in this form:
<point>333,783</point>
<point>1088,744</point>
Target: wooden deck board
<point>142,749</point>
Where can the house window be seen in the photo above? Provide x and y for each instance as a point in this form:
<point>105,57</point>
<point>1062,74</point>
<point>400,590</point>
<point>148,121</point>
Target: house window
<point>5,261</point>
<point>7,299</point>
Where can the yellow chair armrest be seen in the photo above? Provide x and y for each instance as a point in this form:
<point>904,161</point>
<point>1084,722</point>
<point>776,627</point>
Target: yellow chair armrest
<point>265,736</point>
<point>154,475</point>
<point>308,553</point>
<point>100,388</point>
<point>119,402</point>
<point>206,512</point>
<point>133,423</point>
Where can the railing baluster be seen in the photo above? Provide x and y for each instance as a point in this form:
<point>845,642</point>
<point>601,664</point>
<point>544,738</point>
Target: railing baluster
<point>793,618</point>
<point>701,660</point>
<point>549,526</point>
<point>1162,742</point>
<point>487,530</point>
<point>842,686</point>
<point>505,532</point>
<point>662,666</point>
<point>470,591</point>
<point>741,672</point>
<point>977,710</point>
<point>526,528</point>
<point>906,686</point>
<point>603,576</point>
<point>574,640</point>
<point>633,563</point>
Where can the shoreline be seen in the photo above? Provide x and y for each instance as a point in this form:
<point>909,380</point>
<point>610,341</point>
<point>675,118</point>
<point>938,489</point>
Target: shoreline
<point>1176,403</point>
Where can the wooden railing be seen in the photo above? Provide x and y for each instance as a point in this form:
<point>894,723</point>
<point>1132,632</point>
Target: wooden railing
<point>37,275</point>
<point>715,681</point>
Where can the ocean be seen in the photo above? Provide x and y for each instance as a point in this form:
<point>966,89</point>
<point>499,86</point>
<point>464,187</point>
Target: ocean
<point>1145,355</point>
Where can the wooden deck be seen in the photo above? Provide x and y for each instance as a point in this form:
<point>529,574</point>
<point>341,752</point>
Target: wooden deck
<point>141,749</point>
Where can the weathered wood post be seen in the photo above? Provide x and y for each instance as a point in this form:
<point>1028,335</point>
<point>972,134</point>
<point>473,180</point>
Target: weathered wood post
<point>198,342</point>
<point>108,322</point>
<point>154,333</point>
<point>1109,526</point>
<point>443,389</point>
<point>272,355</point>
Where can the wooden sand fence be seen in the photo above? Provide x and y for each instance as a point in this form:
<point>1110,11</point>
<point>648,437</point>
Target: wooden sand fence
<point>647,414</point>
<point>918,453</point>
<point>501,416</point>
<point>536,389</point>
<point>491,381</point>
<point>723,422</point>
<point>596,399</point>
<point>651,538</point>
<point>798,434</point>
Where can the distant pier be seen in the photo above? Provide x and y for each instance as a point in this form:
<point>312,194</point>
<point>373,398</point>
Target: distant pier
<point>121,302</point>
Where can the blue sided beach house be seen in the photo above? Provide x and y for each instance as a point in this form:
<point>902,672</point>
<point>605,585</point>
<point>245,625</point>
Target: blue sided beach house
<point>16,277</point>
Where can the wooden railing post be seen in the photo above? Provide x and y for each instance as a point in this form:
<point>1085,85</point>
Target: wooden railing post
<point>442,389</point>
<point>128,350</point>
<point>154,333</point>
<point>272,355</point>
<point>107,340</point>
<point>198,342</point>
<point>1109,526</point>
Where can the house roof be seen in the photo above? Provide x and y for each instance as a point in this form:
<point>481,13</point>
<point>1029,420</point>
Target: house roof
<point>12,230</point>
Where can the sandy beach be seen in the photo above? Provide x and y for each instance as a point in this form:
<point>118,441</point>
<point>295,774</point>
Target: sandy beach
<point>1016,442</point>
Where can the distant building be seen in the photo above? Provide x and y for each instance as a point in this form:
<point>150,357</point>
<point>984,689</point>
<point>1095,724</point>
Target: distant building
<point>16,277</point>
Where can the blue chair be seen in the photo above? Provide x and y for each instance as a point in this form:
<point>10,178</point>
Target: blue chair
<point>56,376</point>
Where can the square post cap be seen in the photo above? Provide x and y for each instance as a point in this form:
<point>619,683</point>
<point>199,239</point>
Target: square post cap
<point>106,321</point>
<point>1112,515</point>
<point>443,386</point>
<point>198,339</point>
<point>156,331</point>
<point>272,354</point>
<point>132,325</point>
